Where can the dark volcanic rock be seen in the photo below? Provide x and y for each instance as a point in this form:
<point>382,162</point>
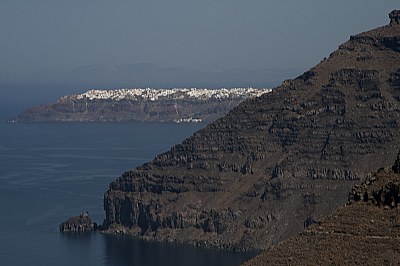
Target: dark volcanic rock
<point>394,17</point>
<point>379,191</point>
<point>364,232</point>
<point>275,163</point>
<point>396,166</point>
<point>80,223</point>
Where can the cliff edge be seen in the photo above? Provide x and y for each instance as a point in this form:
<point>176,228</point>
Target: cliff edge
<point>276,162</point>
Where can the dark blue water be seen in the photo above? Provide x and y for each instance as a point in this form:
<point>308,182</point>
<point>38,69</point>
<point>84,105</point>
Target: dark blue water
<point>49,172</point>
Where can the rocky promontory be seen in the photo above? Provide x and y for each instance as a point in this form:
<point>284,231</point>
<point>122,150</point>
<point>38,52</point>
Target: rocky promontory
<point>141,105</point>
<point>275,163</point>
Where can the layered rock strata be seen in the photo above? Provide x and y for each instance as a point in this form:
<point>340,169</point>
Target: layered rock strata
<point>364,232</point>
<point>275,163</point>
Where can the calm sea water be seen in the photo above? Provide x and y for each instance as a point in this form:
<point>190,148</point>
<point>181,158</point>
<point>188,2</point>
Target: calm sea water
<point>49,172</point>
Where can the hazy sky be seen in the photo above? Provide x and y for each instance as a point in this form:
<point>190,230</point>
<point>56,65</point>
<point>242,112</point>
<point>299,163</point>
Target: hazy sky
<point>199,34</point>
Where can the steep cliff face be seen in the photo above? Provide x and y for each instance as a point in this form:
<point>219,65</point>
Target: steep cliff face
<point>276,162</point>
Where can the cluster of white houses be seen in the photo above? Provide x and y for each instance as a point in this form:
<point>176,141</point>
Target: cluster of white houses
<point>150,94</point>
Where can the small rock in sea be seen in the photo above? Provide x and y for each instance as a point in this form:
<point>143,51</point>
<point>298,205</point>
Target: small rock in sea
<point>80,223</point>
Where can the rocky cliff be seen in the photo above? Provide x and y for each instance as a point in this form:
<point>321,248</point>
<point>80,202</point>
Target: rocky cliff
<point>275,163</point>
<point>364,232</point>
<point>141,105</point>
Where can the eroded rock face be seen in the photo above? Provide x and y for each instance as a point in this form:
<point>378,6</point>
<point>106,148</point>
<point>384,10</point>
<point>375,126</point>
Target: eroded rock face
<point>81,223</point>
<point>382,189</point>
<point>394,17</point>
<point>365,231</point>
<point>274,163</point>
<point>396,165</point>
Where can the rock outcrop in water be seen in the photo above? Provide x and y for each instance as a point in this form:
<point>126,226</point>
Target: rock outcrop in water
<point>81,223</point>
<point>364,232</point>
<point>275,163</point>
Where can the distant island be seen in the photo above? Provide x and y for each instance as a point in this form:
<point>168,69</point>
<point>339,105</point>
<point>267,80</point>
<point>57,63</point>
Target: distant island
<point>179,105</point>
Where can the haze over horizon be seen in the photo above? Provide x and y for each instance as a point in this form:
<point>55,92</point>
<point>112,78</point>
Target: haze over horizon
<point>40,38</point>
<point>202,35</point>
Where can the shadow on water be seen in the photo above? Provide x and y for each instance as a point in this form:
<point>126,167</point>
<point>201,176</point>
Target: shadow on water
<point>126,250</point>
<point>97,248</point>
<point>83,248</point>
<point>77,238</point>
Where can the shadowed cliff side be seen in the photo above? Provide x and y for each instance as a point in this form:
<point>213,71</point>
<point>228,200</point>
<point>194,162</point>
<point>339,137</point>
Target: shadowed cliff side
<point>364,232</point>
<point>274,163</point>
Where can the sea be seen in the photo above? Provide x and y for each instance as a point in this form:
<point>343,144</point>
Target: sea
<point>52,171</point>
